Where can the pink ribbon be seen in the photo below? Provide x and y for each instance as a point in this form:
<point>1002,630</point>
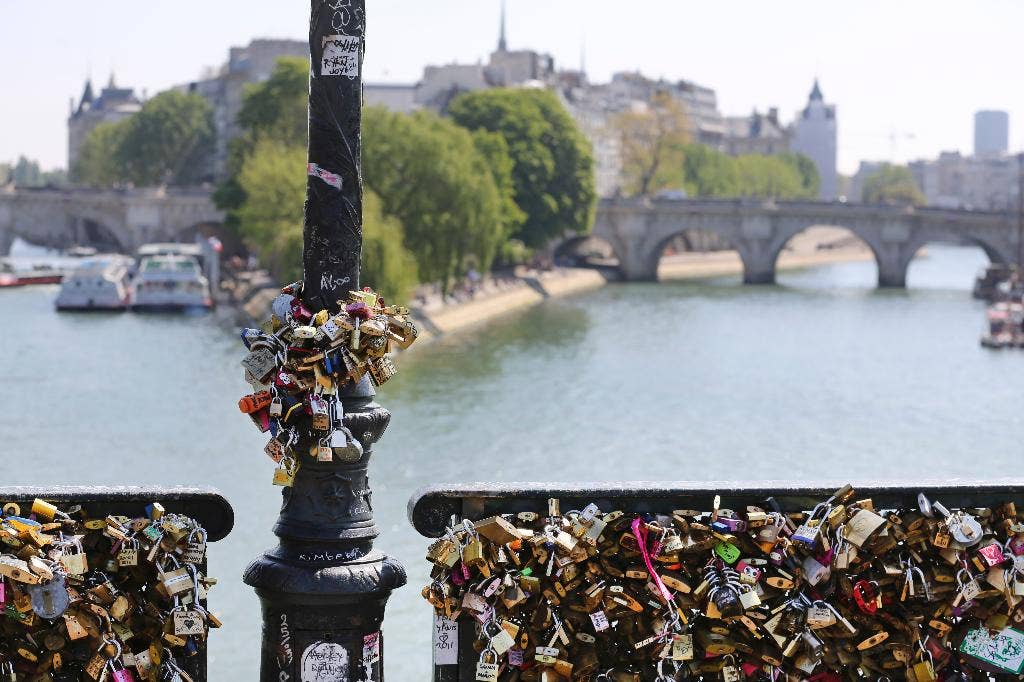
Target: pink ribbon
<point>640,531</point>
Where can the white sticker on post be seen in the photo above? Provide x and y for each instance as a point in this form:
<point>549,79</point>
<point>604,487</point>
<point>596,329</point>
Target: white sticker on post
<point>341,56</point>
<point>446,641</point>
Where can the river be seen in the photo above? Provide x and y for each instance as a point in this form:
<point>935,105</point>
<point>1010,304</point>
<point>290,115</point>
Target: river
<point>821,377</point>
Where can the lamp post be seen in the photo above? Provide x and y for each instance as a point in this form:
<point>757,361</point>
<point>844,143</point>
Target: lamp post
<point>324,588</point>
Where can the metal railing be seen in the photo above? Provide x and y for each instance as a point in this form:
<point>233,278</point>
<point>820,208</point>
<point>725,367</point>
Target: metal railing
<point>206,505</point>
<point>430,510</point>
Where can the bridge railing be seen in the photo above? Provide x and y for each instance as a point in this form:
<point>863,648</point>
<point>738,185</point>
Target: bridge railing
<point>431,509</point>
<point>206,505</point>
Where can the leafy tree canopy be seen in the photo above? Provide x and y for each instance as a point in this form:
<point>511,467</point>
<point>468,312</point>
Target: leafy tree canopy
<point>652,143</point>
<point>892,184</point>
<point>168,142</point>
<point>432,175</point>
<point>552,162</point>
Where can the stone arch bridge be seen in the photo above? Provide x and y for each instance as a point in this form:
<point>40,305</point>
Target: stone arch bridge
<point>119,220</point>
<point>639,229</point>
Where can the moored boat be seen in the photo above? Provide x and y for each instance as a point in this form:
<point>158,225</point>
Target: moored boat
<point>36,274</point>
<point>1005,326</point>
<point>100,283</point>
<point>170,282</point>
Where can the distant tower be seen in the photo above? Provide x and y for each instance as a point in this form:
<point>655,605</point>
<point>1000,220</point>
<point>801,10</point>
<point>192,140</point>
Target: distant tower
<point>502,38</point>
<point>991,133</point>
<point>815,136</point>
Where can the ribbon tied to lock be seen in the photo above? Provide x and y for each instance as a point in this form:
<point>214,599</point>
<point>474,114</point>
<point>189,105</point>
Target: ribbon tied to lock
<point>641,533</point>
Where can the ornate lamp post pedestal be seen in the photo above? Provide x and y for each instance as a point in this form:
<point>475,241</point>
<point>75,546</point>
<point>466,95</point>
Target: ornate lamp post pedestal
<point>324,588</point>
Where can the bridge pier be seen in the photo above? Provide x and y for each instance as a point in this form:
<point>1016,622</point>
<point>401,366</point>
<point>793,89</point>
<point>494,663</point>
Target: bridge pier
<point>892,270</point>
<point>758,275</point>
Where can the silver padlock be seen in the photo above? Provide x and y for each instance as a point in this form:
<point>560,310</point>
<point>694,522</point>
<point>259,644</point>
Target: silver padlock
<point>347,447</point>
<point>49,600</point>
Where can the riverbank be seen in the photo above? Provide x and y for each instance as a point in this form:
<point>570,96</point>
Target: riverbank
<point>491,297</point>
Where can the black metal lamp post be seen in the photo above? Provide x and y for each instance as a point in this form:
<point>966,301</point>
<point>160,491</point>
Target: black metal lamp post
<point>324,588</point>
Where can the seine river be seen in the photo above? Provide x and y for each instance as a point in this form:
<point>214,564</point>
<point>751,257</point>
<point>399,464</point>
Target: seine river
<point>821,377</point>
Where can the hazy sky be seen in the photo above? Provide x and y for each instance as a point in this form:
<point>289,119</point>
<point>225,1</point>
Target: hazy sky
<point>903,67</point>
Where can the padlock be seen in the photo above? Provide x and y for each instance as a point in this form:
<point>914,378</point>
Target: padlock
<point>195,548</point>
<point>73,558</point>
<point>488,666</point>
<point>809,531</point>
<point>49,600</point>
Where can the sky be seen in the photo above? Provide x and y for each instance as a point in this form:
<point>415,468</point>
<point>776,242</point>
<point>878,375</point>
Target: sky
<point>905,75</point>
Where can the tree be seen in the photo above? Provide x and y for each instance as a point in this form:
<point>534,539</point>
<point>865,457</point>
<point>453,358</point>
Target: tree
<point>892,184</point>
<point>270,218</point>
<point>432,176</point>
<point>710,173</point>
<point>277,107</point>
<point>768,177</point>
<point>168,142</point>
<point>552,161</point>
<point>652,143</point>
<point>97,163</point>
<point>387,265</point>
<point>810,179</point>
<point>27,173</point>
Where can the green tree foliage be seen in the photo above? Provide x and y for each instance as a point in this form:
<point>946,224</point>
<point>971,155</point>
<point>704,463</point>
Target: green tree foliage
<point>168,142</point>
<point>266,189</point>
<point>277,107</point>
<point>432,176</point>
<point>768,177</point>
<point>892,184</point>
<point>27,173</point>
<point>386,264</point>
<point>709,173</point>
<point>652,143</point>
<point>270,219</point>
<point>552,162</point>
<point>97,163</point>
<point>810,179</point>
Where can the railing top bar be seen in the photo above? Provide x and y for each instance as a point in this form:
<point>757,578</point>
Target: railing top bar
<point>206,505</point>
<point>430,508</point>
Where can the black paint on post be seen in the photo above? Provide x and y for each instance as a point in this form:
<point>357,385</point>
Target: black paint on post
<point>323,588</point>
<point>333,230</point>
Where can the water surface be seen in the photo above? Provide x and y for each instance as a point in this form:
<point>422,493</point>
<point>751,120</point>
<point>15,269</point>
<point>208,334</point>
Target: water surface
<point>821,377</point>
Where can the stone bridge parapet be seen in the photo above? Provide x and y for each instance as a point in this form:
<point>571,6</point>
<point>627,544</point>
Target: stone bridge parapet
<point>639,229</point>
<point>121,219</point>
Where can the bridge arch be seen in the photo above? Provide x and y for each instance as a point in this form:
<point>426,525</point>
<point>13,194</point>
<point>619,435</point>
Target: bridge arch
<point>790,232</point>
<point>697,239</point>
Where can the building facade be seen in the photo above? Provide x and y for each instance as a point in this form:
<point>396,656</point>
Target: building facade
<point>756,134</point>
<point>986,182</point>
<point>112,105</point>
<point>991,133</point>
<point>815,135</point>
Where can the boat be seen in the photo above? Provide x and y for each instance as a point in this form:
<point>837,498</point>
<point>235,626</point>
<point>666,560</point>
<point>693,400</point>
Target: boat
<point>991,283</point>
<point>170,282</point>
<point>1004,326</point>
<point>100,283</point>
<point>40,273</point>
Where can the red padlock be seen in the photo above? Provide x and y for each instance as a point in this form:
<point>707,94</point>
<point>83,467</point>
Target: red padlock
<point>865,593</point>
